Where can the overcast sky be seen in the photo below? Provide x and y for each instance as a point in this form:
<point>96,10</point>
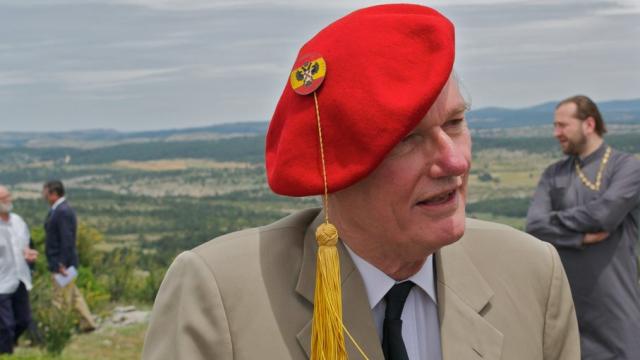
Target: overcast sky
<point>155,64</point>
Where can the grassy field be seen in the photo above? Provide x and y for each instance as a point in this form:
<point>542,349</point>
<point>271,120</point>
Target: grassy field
<point>147,202</point>
<point>515,222</point>
<point>107,343</point>
<point>515,173</point>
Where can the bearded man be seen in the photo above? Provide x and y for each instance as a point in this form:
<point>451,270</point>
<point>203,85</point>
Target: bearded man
<point>588,206</point>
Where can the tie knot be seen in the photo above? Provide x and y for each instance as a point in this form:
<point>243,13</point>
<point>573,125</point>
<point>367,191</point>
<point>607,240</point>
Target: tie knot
<point>396,298</point>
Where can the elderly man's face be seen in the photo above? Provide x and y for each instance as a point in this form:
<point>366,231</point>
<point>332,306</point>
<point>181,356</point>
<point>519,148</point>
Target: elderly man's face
<point>413,203</point>
<point>6,204</point>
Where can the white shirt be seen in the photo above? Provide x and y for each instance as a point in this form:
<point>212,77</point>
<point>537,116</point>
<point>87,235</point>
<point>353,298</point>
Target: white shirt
<point>57,203</point>
<point>14,239</point>
<point>420,324</point>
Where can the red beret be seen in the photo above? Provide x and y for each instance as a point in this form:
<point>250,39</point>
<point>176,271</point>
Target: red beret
<point>385,66</point>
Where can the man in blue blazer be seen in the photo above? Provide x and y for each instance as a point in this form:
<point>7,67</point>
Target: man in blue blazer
<point>61,228</point>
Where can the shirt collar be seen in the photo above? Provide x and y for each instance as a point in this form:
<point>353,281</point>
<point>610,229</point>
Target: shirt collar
<point>57,203</point>
<point>598,153</point>
<point>377,283</point>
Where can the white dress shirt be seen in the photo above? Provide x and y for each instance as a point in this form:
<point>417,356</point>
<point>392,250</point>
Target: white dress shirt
<point>57,203</point>
<point>14,239</point>
<point>420,324</point>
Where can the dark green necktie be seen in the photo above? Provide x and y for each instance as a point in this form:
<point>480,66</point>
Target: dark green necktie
<point>392,343</point>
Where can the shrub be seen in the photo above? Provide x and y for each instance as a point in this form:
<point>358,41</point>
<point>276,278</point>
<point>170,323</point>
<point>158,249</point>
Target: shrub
<point>95,292</point>
<point>120,265</point>
<point>56,324</point>
<point>87,239</point>
<point>148,289</point>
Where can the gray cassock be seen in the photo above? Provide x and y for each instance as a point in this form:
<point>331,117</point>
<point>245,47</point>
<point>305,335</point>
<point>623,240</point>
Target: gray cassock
<point>603,276</point>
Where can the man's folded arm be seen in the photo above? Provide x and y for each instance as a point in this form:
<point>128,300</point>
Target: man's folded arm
<point>539,222</point>
<point>605,213</point>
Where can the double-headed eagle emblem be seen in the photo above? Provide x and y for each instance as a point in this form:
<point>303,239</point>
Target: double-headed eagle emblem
<point>306,72</point>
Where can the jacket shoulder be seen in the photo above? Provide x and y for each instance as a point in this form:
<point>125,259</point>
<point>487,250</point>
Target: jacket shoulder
<point>488,237</point>
<point>527,286</point>
<point>512,261</point>
<point>64,210</point>
<point>244,245</point>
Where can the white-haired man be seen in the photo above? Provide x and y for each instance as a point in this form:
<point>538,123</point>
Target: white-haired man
<point>15,274</point>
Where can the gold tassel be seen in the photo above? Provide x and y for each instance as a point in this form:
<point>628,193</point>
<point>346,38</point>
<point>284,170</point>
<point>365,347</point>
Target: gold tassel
<point>327,338</point>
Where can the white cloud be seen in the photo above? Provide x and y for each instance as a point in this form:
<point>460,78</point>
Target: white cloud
<point>147,44</point>
<point>624,7</point>
<point>15,78</point>
<point>186,5</point>
<point>105,79</point>
<point>23,3</point>
<point>262,42</point>
<point>436,3</point>
<point>238,70</point>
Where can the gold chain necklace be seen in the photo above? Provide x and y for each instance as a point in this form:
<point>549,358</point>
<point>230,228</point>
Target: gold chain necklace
<point>603,164</point>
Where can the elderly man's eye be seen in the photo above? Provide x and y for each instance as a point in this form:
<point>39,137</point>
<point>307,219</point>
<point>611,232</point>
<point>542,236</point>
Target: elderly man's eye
<point>454,124</point>
<point>406,144</point>
<point>409,138</point>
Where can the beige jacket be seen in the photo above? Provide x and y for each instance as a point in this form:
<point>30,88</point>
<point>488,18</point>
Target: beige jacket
<point>502,294</point>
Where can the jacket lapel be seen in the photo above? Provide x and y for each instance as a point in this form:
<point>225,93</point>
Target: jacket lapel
<point>355,305</point>
<point>463,295</point>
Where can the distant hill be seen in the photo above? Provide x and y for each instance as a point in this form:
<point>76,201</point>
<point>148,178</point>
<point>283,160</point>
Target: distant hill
<point>616,111</point>
<point>107,137</point>
<point>256,127</point>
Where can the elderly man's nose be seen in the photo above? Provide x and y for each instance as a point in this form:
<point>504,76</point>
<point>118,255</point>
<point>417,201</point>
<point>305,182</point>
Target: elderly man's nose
<point>450,160</point>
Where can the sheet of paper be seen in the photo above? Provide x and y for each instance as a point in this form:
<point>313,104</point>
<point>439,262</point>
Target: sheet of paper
<point>63,280</point>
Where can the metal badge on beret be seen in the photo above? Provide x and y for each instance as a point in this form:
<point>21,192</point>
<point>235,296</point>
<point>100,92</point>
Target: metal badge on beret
<point>308,73</point>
